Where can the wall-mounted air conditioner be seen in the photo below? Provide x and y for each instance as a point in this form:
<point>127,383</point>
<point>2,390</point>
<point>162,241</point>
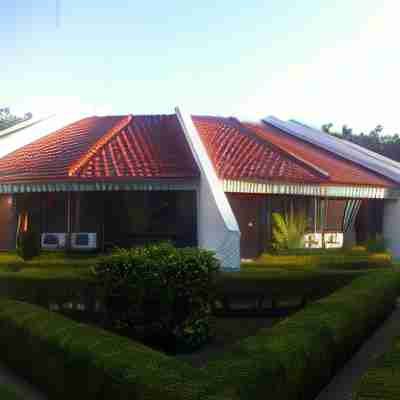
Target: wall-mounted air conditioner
<point>313,240</point>
<point>333,240</point>
<point>84,240</point>
<point>53,241</point>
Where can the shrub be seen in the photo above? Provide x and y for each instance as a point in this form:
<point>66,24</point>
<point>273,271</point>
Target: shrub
<point>160,292</point>
<point>288,231</point>
<point>382,380</point>
<point>28,244</point>
<point>8,392</point>
<point>296,357</point>
<point>377,244</point>
<point>68,360</point>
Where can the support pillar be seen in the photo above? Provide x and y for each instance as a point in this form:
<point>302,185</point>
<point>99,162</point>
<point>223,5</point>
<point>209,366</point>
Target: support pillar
<point>391,226</point>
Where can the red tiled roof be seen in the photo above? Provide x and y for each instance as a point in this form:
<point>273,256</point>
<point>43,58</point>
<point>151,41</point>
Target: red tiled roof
<point>341,171</point>
<point>105,147</point>
<point>238,153</point>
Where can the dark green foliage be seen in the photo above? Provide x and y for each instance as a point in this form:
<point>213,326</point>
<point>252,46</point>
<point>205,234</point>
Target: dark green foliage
<point>283,285</point>
<point>291,360</point>
<point>7,119</point>
<point>376,244</point>
<point>159,292</point>
<point>8,392</point>
<point>297,357</point>
<point>68,360</point>
<point>382,380</point>
<point>28,245</point>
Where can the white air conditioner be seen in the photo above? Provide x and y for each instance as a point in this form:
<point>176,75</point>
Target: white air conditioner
<point>333,240</point>
<point>313,240</point>
<point>84,240</point>
<point>53,241</point>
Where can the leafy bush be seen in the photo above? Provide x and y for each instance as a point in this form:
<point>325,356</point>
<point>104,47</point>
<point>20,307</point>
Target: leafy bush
<point>160,292</point>
<point>288,231</point>
<point>377,244</point>
<point>68,360</point>
<point>8,392</point>
<point>296,357</point>
<point>28,244</point>
<point>382,379</point>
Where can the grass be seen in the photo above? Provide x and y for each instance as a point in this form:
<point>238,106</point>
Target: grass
<point>319,260</point>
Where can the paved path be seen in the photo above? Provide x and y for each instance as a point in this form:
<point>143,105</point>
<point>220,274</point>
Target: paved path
<point>23,388</point>
<point>345,381</point>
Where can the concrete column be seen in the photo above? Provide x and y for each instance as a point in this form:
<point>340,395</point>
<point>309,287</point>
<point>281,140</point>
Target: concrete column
<point>391,225</point>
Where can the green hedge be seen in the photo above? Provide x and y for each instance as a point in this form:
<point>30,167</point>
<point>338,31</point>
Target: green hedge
<point>283,284</point>
<point>71,360</point>
<point>291,360</point>
<point>45,289</point>
<point>382,381</point>
<point>329,259</point>
<point>298,356</point>
<point>7,392</point>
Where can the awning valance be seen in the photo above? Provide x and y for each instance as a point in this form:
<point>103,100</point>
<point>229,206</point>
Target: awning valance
<point>359,192</point>
<point>166,185</point>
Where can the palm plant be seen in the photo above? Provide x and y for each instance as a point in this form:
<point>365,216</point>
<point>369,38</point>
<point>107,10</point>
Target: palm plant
<point>288,230</point>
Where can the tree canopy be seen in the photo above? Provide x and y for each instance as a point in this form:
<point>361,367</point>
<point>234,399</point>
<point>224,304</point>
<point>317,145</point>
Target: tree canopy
<point>7,119</point>
<point>385,144</point>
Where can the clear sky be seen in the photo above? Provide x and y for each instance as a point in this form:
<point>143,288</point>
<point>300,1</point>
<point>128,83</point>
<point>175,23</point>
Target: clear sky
<point>314,60</point>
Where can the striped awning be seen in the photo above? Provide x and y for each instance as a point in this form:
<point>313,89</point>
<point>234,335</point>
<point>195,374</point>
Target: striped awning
<point>160,185</point>
<point>359,192</point>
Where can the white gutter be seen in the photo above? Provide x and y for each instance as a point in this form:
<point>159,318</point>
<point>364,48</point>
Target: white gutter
<point>350,151</point>
<point>217,227</point>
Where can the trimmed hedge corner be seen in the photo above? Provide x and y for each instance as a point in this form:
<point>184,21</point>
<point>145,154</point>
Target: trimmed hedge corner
<point>71,360</point>
<point>292,360</point>
<point>382,380</point>
<point>7,392</point>
<point>297,357</point>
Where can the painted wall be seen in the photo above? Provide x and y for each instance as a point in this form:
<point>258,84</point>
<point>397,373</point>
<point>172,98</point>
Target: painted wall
<point>391,225</point>
<point>217,227</point>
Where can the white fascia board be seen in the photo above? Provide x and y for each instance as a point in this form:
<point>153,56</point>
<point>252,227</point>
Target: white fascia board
<point>18,137</point>
<point>350,151</point>
<point>218,229</point>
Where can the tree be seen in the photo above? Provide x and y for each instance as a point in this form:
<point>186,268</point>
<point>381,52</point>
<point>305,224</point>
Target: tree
<point>327,127</point>
<point>387,145</point>
<point>7,119</point>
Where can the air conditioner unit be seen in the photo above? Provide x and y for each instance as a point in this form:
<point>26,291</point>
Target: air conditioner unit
<point>53,241</point>
<point>313,240</point>
<point>84,240</point>
<point>333,240</point>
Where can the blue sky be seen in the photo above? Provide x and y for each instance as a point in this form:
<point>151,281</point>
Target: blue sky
<point>313,60</point>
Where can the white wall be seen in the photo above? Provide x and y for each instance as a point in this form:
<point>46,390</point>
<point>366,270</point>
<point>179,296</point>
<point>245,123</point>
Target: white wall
<point>217,227</point>
<point>391,225</point>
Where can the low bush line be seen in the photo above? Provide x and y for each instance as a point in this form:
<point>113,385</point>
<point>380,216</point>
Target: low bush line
<point>292,360</point>
<point>71,360</point>
<point>298,356</point>
<point>382,380</point>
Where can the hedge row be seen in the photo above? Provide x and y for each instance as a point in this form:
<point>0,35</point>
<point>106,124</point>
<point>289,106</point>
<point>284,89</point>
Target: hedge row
<point>43,289</point>
<point>292,360</point>
<point>298,356</point>
<point>7,392</point>
<point>382,381</point>
<point>327,260</point>
<point>71,360</point>
<point>283,284</point>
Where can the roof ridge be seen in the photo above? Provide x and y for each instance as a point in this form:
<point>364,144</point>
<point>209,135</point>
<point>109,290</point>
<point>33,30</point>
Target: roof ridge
<point>297,158</point>
<point>100,143</point>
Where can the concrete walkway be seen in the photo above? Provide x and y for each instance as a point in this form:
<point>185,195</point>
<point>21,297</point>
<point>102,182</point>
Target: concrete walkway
<point>22,387</point>
<point>345,381</point>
